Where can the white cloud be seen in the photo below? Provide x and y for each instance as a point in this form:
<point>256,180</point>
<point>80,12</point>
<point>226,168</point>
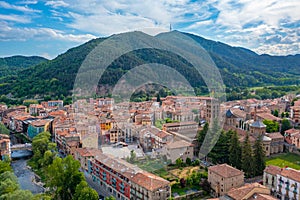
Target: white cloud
<point>56,4</point>
<point>268,26</point>
<point>254,24</point>
<point>27,2</point>
<point>8,33</point>
<point>115,16</point>
<point>6,5</point>
<point>15,18</point>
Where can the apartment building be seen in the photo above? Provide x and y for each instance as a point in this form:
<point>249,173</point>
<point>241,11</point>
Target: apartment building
<point>125,181</point>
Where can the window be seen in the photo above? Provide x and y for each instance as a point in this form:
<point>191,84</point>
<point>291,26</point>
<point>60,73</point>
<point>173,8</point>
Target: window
<point>114,182</point>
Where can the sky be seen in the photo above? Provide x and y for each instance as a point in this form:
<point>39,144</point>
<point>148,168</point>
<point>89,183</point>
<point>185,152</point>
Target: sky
<point>49,28</point>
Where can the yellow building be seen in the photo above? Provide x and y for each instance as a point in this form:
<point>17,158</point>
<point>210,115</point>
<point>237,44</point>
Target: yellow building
<point>106,124</point>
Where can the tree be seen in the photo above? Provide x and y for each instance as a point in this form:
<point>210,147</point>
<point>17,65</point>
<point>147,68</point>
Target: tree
<point>19,195</point>
<point>41,197</point>
<point>179,162</point>
<point>235,151</point>
<point>197,119</point>
<point>247,158</point>
<point>132,158</point>
<point>205,185</point>
<point>158,98</point>
<point>285,125</point>
<point>40,144</point>
<point>5,166</point>
<point>220,152</point>
<point>272,126</point>
<point>287,114</point>
<point>282,115</point>
<point>196,162</point>
<point>188,161</point>
<point>189,181</point>
<point>259,157</point>
<point>202,134</point>
<point>3,129</point>
<point>182,182</point>
<point>110,198</point>
<point>8,183</point>
<point>83,192</point>
<point>276,113</point>
<point>63,176</point>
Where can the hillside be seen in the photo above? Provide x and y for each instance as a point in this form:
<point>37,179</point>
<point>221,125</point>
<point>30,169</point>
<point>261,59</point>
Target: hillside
<point>12,65</point>
<point>239,67</point>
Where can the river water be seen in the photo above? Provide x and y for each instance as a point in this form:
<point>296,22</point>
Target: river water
<point>25,176</point>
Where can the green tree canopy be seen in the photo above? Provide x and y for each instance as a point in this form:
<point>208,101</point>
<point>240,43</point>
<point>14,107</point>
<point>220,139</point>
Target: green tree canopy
<point>19,195</point>
<point>3,129</point>
<point>41,197</point>
<point>259,157</point>
<point>202,134</point>
<point>272,126</point>
<point>220,152</point>
<point>285,125</point>
<point>179,162</point>
<point>247,158</point>
<point>63,176</point>
<point>8,183</point>
<point>235,151</point>
<point>83,192</point>
<point>5,166</point>
<point>110,198</point>
<point>40,145</point>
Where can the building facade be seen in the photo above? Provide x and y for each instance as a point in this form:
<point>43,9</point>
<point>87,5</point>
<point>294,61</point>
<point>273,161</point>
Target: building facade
<point>125,181</point>
<point>224,177</point>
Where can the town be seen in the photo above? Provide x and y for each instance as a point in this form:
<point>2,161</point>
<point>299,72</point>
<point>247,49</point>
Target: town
<point>152,149</point>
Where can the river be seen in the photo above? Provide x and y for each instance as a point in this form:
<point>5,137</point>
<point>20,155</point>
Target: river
<point>25,176</point>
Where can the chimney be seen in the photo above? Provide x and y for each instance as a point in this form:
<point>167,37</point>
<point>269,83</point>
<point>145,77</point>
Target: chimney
<point>255,110</point>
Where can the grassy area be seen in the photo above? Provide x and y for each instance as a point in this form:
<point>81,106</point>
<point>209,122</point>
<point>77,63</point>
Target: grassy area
<point>185,172</point>
<point>291,160</point>
<point>182,191</point>
<point>151,165</point>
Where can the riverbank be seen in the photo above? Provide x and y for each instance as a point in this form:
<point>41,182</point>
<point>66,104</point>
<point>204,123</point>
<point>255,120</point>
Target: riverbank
<point>25,176</point>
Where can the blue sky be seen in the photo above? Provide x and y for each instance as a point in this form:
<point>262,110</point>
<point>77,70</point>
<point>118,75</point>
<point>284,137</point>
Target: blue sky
<point>49,28</point>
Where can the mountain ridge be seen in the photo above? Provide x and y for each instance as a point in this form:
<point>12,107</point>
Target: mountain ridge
<point>239,67</point>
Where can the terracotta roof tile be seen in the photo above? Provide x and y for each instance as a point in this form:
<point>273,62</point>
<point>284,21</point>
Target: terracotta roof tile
<point>271,169</point>
<point>149,181</point>
<point>225,170</point>
<point>179,144</point>
<point>291,173</point>
<point>241,192</point>
<point>276,135</point>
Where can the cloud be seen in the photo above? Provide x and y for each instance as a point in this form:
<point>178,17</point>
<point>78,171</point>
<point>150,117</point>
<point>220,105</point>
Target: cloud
<point>56,4</point>
<point>27,2</point>
<point>6,5</point>
<point>268,26</point>
<point>115,16</point>
<point>15,18</point>
<point>8,33</point>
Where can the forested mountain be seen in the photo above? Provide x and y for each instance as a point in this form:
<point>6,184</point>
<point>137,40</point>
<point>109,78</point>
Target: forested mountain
<point>239,67</point>
<point>11,65</point>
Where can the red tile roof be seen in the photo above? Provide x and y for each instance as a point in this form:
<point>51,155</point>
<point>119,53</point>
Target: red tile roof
<point>271,169</point>
<point>241,192</point>
<point>149,181</point>
<point>291,174</point>
<point>225,170</point>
